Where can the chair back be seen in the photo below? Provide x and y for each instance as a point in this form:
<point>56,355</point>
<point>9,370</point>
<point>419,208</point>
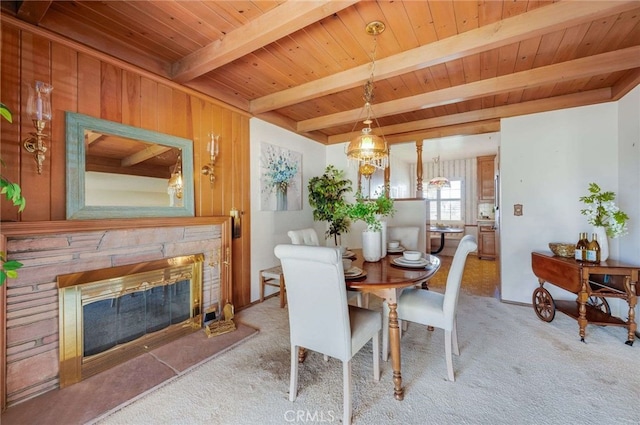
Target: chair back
<point>454,278</point>
<point>306,236</point>
<point>406,235</point>
<point>317,299</point>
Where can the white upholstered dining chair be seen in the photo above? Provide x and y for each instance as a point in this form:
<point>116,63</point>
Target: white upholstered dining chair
<point>320,318</point>
<point>309,237</point>
<point>435,309</point>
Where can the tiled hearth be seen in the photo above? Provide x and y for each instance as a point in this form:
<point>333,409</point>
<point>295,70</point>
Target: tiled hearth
<point>32,299</point>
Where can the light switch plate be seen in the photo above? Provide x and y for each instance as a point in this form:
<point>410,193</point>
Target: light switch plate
<point>517,209</point>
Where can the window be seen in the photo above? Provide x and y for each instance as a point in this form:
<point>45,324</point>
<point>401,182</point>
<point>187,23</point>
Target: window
<point>445,203</point>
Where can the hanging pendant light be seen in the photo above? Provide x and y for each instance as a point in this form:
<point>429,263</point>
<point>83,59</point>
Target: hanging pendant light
<point>438,182</point>
<point>369,151</point>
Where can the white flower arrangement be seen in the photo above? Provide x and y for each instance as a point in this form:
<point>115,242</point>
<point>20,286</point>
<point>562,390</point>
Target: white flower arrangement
<point>600,210</point>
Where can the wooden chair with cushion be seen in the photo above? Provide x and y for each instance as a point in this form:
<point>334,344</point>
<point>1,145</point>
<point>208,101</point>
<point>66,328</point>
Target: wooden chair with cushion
<point>320,318</point>
<point>431,308</point>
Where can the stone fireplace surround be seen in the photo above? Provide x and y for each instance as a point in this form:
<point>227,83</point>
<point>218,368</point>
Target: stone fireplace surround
<point>29,348</point>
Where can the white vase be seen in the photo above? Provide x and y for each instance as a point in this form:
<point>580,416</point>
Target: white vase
<point>383,239</point>
<point>603,241</point>
<point>371,245</point>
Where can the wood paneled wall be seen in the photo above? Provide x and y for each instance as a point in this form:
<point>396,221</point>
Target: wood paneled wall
<point>94,84</point>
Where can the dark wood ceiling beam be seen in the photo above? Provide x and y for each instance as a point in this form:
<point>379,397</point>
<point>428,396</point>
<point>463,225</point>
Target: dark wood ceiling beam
<point>277,23</point>
<point>398,132</point>
<point>33,11</point>
<point>517,28</point>
<point>604,63</point>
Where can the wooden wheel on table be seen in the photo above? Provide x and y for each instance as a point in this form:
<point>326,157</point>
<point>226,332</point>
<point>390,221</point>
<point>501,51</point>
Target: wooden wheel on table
<point>599,303</point>
<point>543,304</point>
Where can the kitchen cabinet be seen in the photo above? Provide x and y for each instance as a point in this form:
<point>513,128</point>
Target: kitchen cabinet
<point>486,185</point>
<point>486,241</point>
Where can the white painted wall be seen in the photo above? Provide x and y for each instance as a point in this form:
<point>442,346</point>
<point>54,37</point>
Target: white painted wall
<point>547,163</point>
<point>269,228</point>
<point>629,176</point>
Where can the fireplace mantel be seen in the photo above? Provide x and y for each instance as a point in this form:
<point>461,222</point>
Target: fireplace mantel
<point>32,231</point>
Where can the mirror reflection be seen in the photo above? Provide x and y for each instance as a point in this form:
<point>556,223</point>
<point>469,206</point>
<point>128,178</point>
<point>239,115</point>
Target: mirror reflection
<point>116,170</point>
<point>124,171</point>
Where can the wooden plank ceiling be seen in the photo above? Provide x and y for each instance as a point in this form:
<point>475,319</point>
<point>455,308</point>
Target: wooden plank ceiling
<point>439,68</point>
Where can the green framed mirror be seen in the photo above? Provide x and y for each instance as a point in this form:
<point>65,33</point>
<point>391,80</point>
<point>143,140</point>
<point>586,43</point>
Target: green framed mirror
<point>119,171</point>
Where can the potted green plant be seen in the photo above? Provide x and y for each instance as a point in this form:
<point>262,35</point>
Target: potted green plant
<point>13,193</point>
<point>326,197</point>
<point>371,212</point>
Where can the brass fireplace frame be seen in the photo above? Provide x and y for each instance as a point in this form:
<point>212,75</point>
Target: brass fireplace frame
<point>76,289</point>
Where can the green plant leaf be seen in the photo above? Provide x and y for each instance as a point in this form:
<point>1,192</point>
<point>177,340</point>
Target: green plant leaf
<point>5,112</point>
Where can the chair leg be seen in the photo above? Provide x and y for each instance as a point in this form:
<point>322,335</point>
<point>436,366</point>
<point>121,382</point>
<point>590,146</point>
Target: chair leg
<point>385,336</point>
<point>346,376</point>
<point>376,356</point>
<point>283,294</point>
<point>261,288</point>
<point>447,354</point>
<point>326,358</point>
<point>359,299</point>
<point>454,339</point>
<point>293,384</point>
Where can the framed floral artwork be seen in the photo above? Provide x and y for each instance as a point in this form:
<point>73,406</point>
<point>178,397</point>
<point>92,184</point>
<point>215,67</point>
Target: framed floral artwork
<point>280,178</point>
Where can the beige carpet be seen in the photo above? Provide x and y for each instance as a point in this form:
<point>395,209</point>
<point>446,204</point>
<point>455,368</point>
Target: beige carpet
<point>513,369</point>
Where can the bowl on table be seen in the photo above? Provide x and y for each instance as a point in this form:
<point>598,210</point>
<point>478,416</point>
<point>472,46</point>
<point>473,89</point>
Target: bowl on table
<point>346,264</point>
<point>412,255</point>
<point>393,244</point>
<point>563,249</point>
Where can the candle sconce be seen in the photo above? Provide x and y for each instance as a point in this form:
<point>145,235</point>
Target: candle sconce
<point>213,147</point>
<point>39,110</point>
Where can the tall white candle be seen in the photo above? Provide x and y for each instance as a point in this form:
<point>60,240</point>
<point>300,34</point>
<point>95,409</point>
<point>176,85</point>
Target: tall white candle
<point>39,107</point>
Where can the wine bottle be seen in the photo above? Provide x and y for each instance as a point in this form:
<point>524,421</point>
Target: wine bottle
<point>593,250</point>
<point>581,247</point>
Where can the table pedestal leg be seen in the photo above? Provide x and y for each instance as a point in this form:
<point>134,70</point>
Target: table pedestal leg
<point>437,251</point>
<point>394,342</point>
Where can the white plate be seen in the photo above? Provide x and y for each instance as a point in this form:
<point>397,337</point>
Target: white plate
<point>395,250</point>
<point>400,261</point>
<point>353,271</point>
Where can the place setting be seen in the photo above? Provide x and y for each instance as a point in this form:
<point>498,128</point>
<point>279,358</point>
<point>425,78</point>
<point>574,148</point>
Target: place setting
<point>351,271</point>
<point>413,260</point>
<point>346,253</point>
<point>394,247</point>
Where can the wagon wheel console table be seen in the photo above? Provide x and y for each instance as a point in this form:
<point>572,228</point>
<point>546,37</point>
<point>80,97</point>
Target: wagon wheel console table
<point>593,283</point>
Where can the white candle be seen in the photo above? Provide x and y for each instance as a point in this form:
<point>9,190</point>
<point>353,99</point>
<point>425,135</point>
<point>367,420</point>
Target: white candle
<point>39,107</point>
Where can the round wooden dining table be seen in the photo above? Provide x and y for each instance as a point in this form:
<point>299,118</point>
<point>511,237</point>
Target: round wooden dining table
<point>386,280</point>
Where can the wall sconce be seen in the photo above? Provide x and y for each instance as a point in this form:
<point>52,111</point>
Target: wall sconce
<point>175,182</point>
<point>39,110</point>
<point>212,147</point>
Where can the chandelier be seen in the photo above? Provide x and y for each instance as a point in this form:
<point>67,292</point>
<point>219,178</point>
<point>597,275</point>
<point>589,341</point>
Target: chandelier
<point>369,151</point>
<point>438,182</point>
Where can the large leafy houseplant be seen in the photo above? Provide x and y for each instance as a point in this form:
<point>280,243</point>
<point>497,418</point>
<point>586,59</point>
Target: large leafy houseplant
<point>326,197</point>
<point>370,210</point>
<point>13,193</point>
